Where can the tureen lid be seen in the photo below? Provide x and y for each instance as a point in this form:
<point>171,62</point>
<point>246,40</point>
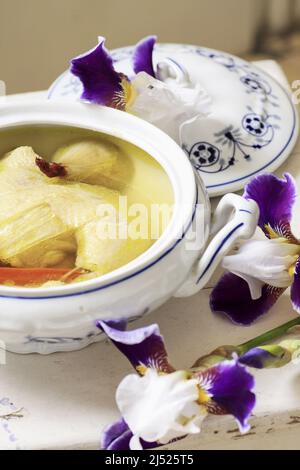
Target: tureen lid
<point>251,125</point>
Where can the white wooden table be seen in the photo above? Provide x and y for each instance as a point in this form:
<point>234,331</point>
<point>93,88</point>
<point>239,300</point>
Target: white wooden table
<point>64,400</point>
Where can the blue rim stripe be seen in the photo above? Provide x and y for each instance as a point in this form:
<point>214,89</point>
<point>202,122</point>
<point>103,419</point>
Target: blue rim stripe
<point>218,250</point>
<point>113,283</point>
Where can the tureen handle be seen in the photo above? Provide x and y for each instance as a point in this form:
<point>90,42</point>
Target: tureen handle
<point>235,218</point>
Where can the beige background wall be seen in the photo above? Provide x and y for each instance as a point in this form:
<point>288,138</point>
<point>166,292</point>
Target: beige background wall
<point>38,37</point>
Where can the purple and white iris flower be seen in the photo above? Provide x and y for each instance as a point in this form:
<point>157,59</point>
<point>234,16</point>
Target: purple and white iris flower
<point>262,269</point>
<point>159,404</point>
<point>162,94</point>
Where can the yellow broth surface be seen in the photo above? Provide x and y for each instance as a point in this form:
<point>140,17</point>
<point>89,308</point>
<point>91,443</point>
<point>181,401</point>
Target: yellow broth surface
<point>103,203</point>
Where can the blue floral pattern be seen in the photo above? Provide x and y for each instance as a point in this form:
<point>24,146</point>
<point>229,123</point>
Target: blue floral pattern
<point>253,81</point>
<point>93,335</point>
<point>62,339</point>
<point>230,143</point>
<point>204,155</point>
<point>258,126</point>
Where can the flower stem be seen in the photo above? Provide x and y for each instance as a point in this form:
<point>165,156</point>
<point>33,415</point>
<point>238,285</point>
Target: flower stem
<point>268,336</point>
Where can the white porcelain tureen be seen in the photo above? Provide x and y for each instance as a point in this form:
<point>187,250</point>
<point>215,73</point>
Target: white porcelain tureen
<point>180,263</point>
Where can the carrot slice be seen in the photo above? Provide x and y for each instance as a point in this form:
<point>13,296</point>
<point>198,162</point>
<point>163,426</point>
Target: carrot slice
<point>23,276</point>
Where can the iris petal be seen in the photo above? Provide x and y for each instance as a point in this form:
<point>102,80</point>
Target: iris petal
<point>159,407</point>
<point>256,358</point>
<point>275,198</point>
<point>295,289</point>
<point>267,261</point>
<point>117,436</point>
<point>230,388</point>
<point>169,106</point>
<point>143,347</point>
<point>232,297</point>
<point>143,56</point>
<point>101,83</point>
<point>266,357</point>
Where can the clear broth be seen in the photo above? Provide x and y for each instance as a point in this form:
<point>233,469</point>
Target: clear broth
<point>148,183</point>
